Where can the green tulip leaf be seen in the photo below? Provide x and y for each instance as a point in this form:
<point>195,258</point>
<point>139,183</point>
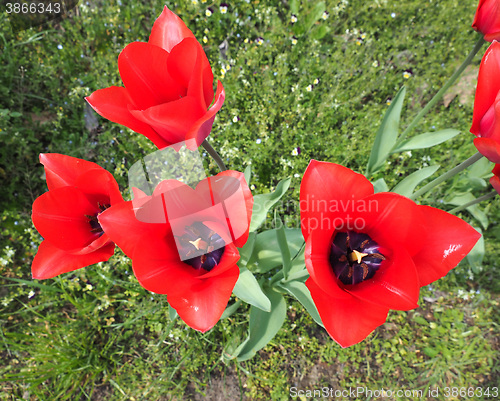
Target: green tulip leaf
<point>172,313</point>
<point>263,326</point>
<point>408,185</point>
<point>264,202</point>
<point>248,174</point>
<point>266,253</point>
<point>302,294</point>
<point>231,309</point>
<point>387,134</point>
<point>248,289</point>
<point>474,210</point>
<point>380,186</point>
<point>283,246</point>
<point>476,255</point>
<point>246,250</point>
<point>426,140</point>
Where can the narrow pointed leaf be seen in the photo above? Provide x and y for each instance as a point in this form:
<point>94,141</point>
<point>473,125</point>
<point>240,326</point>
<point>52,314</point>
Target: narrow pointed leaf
<point>263,325</point>
<point>283,247</point>
<point>264,202</point>
<point>408,185</point>
<point>426,140</point>
<point>476,255</point>
<point>387,134</point>
<point>231,309</point>
<point>380,186</point>
<point>301,293</point>
<point>477,213</point>
<point>248,174</point>
<point>266,254</point>
<point>172,313</point>
<point>246,250</point>
<point>248,289</point>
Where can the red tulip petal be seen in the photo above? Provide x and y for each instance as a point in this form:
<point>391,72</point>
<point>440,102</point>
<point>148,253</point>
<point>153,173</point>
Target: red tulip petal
<point>51,261</point>
<point>59,216</point>
<point>122,227</point>
<point>495,180</point>
<point>63,171</point>
<point>487,90</point>
<point>392,221</point>
<point>113,103</point>
<point>188,62</point>
<point>487,19</point>
<point>317,257</point>
<point>100,187</point>
<point>143,69</point>
<point>202,306</point>
<point>327,192</point>
<point>489,148</point>
<point>230,190</point>
<point>173,120</point>
<point>449,240</point>
<point>158,267</point>
<point>347,320</point>
<point>169,30</point>
<point>395,285</point>
<point>201,129</point>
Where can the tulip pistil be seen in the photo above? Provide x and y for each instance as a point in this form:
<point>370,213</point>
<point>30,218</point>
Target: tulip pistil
<point>200,247</point>
<point>354,257</point>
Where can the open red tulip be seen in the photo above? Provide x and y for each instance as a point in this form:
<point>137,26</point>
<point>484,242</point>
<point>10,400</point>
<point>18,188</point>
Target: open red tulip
<point>168,87</point>
<point>67,215</point>
<point>487,19</point>
<point>367,253</point>
<point>495,180</point>
<point>190,254</point>
<point>486,115</point>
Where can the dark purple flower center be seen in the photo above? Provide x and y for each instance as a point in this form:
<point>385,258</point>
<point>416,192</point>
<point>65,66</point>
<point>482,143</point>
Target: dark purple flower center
<point>354,257</point>
<point>201,247</point>
<point>95,227</point>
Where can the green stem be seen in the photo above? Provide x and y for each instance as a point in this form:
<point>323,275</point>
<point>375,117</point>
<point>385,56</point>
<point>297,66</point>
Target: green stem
<point>492,194</point>
<point>445,87</point>
<point>211,151</point>
<point>462,166</point>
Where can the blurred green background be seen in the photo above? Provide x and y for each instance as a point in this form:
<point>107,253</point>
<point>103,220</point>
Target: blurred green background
<point>316,88</point>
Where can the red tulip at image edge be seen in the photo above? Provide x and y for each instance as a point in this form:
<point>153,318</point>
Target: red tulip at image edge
<point>199,295</point>
<point>168,87</point>
<point>67,215</point>
<point>357,274</point>
<point>486,114</point>
<point>487,19</point>
<point>495,180</point>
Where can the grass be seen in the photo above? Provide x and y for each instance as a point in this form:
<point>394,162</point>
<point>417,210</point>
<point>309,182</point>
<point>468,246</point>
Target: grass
<point>95,334</point>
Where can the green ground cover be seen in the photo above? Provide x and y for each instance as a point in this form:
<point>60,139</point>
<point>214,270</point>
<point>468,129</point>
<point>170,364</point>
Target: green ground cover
<point>323,87</point>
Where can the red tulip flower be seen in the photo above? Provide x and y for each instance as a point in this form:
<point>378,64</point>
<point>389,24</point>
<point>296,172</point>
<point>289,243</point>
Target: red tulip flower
<point>487,19</point>
<point>495,180</point>
<point>368,253</point>
<point>486,115</point>
<point>67,216</point>
<point>190,253</point>
<point>168,87</point>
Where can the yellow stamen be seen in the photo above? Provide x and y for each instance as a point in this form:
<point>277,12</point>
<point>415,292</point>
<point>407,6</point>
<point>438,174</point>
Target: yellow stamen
<point>355,255</point>
<point>199,244</point>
